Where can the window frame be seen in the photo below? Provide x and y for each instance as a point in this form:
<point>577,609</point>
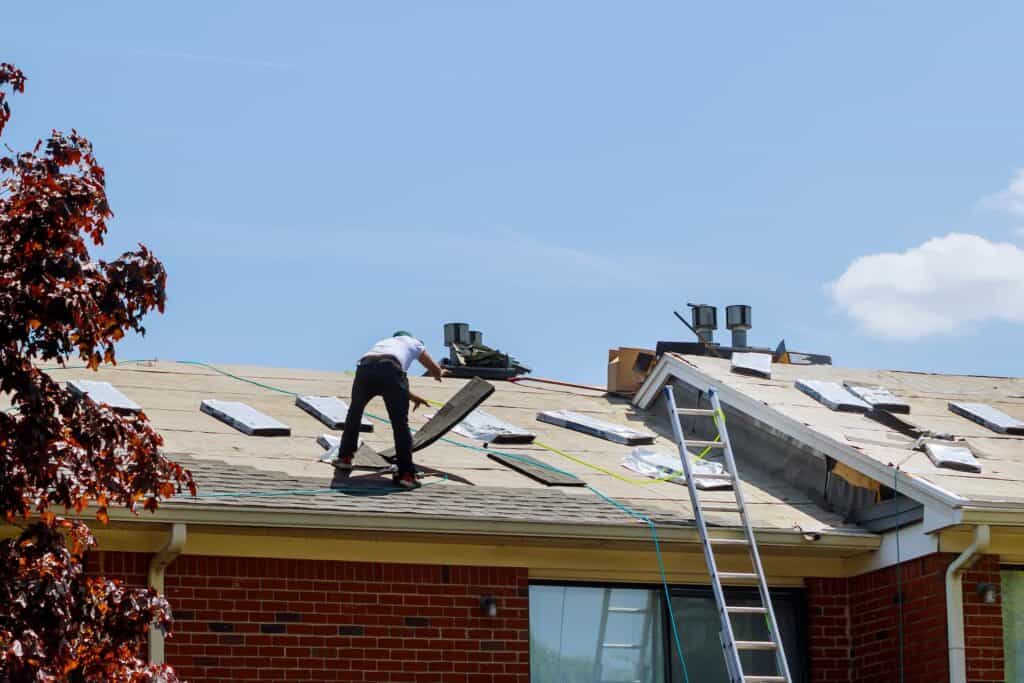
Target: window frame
<point>797,595</point>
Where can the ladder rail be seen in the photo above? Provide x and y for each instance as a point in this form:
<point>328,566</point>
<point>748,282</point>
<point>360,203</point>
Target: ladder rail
<point>732,655</point>
<point>755,555</point>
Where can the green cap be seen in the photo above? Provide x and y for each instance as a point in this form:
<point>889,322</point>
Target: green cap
<point>402,333</point>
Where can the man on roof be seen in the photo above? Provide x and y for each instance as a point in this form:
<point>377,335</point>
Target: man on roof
<point>382,372</point>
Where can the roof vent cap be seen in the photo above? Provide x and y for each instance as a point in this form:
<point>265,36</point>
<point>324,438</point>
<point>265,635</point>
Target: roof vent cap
<point>705,320</point>
<point>456,333</point>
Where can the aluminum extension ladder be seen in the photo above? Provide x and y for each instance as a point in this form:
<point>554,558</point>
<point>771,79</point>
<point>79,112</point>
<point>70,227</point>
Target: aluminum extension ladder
<point>731,647</point>
<point>636,651</point>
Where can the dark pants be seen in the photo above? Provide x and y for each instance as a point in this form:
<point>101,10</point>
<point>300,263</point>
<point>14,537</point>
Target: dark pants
<point>381,378</point>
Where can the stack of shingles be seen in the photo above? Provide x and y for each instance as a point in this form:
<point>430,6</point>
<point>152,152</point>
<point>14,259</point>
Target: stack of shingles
<point>881,405</point>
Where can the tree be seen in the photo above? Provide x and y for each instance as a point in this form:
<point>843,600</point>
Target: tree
<point>59,453</point>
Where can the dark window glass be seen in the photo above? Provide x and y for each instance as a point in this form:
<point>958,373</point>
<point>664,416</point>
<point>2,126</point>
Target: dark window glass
<point>697,620</point>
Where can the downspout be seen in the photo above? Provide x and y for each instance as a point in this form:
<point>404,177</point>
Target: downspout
<point>955,602</point>
<point>157,565</point>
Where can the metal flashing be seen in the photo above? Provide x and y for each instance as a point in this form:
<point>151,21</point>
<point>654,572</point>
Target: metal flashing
<point>757,364</point>
<point>103,393</point>
<point>833,395</point>
<point>330,410</point>
<point>244,418</point>
<point>879,398</point>
<point>990,417</point>
<point>599,428</point>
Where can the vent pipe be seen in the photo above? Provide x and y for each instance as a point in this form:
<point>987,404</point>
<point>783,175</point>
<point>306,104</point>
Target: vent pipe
<point>476,337</point>
<point>737,319</point>
<point>456,333</point>
<point>705,320</point>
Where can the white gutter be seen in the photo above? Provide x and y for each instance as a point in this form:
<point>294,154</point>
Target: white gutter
<point>157,565</point>
<point>955,602</point>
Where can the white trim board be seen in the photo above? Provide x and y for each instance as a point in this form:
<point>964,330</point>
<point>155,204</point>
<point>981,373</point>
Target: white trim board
<point>673,366</point>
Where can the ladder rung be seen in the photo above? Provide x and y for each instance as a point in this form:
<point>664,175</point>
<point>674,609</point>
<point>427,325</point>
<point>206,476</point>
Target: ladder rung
<point>756,645</point>
<point>631,610</point>
<point>765,679</point>
<point>704,444</point>
<point>721,508</point>
<point>727,541</point>
<point>621,646</point>
<point>695,411</point>
<point>723,476</point>
<point>745,610</point>
<point>737,576</point>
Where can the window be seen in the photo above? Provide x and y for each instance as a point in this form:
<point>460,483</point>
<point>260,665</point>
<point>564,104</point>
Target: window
<point>698,624</point>
<point>581,634</point>
<point>1012,588</point>
<point>600,634</point>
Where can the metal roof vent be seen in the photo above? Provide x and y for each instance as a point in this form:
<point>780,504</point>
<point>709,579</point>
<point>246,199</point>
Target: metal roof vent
<point>705,320</point>
<point>737,319</point>
<point>456,333</point>
<point>476,337</point>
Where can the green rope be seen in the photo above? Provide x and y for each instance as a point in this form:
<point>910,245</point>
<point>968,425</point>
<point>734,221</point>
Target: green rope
<point>661,567</point>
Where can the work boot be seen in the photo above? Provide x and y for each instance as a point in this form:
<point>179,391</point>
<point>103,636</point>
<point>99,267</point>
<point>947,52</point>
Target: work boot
<point>407,480</point>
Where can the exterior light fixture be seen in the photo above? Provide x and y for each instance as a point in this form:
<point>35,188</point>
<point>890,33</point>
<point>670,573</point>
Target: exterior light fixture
<point>489,606</point>
<point>988,593</point>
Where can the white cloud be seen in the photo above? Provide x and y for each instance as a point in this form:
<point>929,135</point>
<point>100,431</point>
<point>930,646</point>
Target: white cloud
<point>1010,200</point>
<point>943,286</point>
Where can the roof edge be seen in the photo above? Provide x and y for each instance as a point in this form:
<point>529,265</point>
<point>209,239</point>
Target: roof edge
<point>192,513</point>
<point>672,365</point>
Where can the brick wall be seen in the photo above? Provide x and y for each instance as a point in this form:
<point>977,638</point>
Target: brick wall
<point>854,634</point>
<point>254,619</point>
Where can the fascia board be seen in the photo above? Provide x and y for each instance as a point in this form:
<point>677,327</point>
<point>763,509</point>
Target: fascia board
<point>670,366</point>
<point>267,518</point>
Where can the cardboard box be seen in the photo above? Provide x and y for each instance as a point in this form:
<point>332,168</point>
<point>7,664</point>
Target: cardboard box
<point>628,368</point>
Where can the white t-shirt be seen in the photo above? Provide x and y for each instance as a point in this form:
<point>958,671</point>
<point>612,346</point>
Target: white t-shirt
<point>403,349</point>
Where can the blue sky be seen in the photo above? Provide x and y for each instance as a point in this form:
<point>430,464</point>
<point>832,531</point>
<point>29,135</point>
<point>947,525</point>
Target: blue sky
<point>560,175</point>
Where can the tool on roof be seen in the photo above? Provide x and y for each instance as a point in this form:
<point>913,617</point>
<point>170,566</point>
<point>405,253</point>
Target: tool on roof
<point>470,357</point>
<point>731,648</point>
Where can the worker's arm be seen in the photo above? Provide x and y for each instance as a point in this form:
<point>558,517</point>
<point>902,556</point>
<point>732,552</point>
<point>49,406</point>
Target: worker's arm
<point>431,365</point>
<point>417,401</point>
